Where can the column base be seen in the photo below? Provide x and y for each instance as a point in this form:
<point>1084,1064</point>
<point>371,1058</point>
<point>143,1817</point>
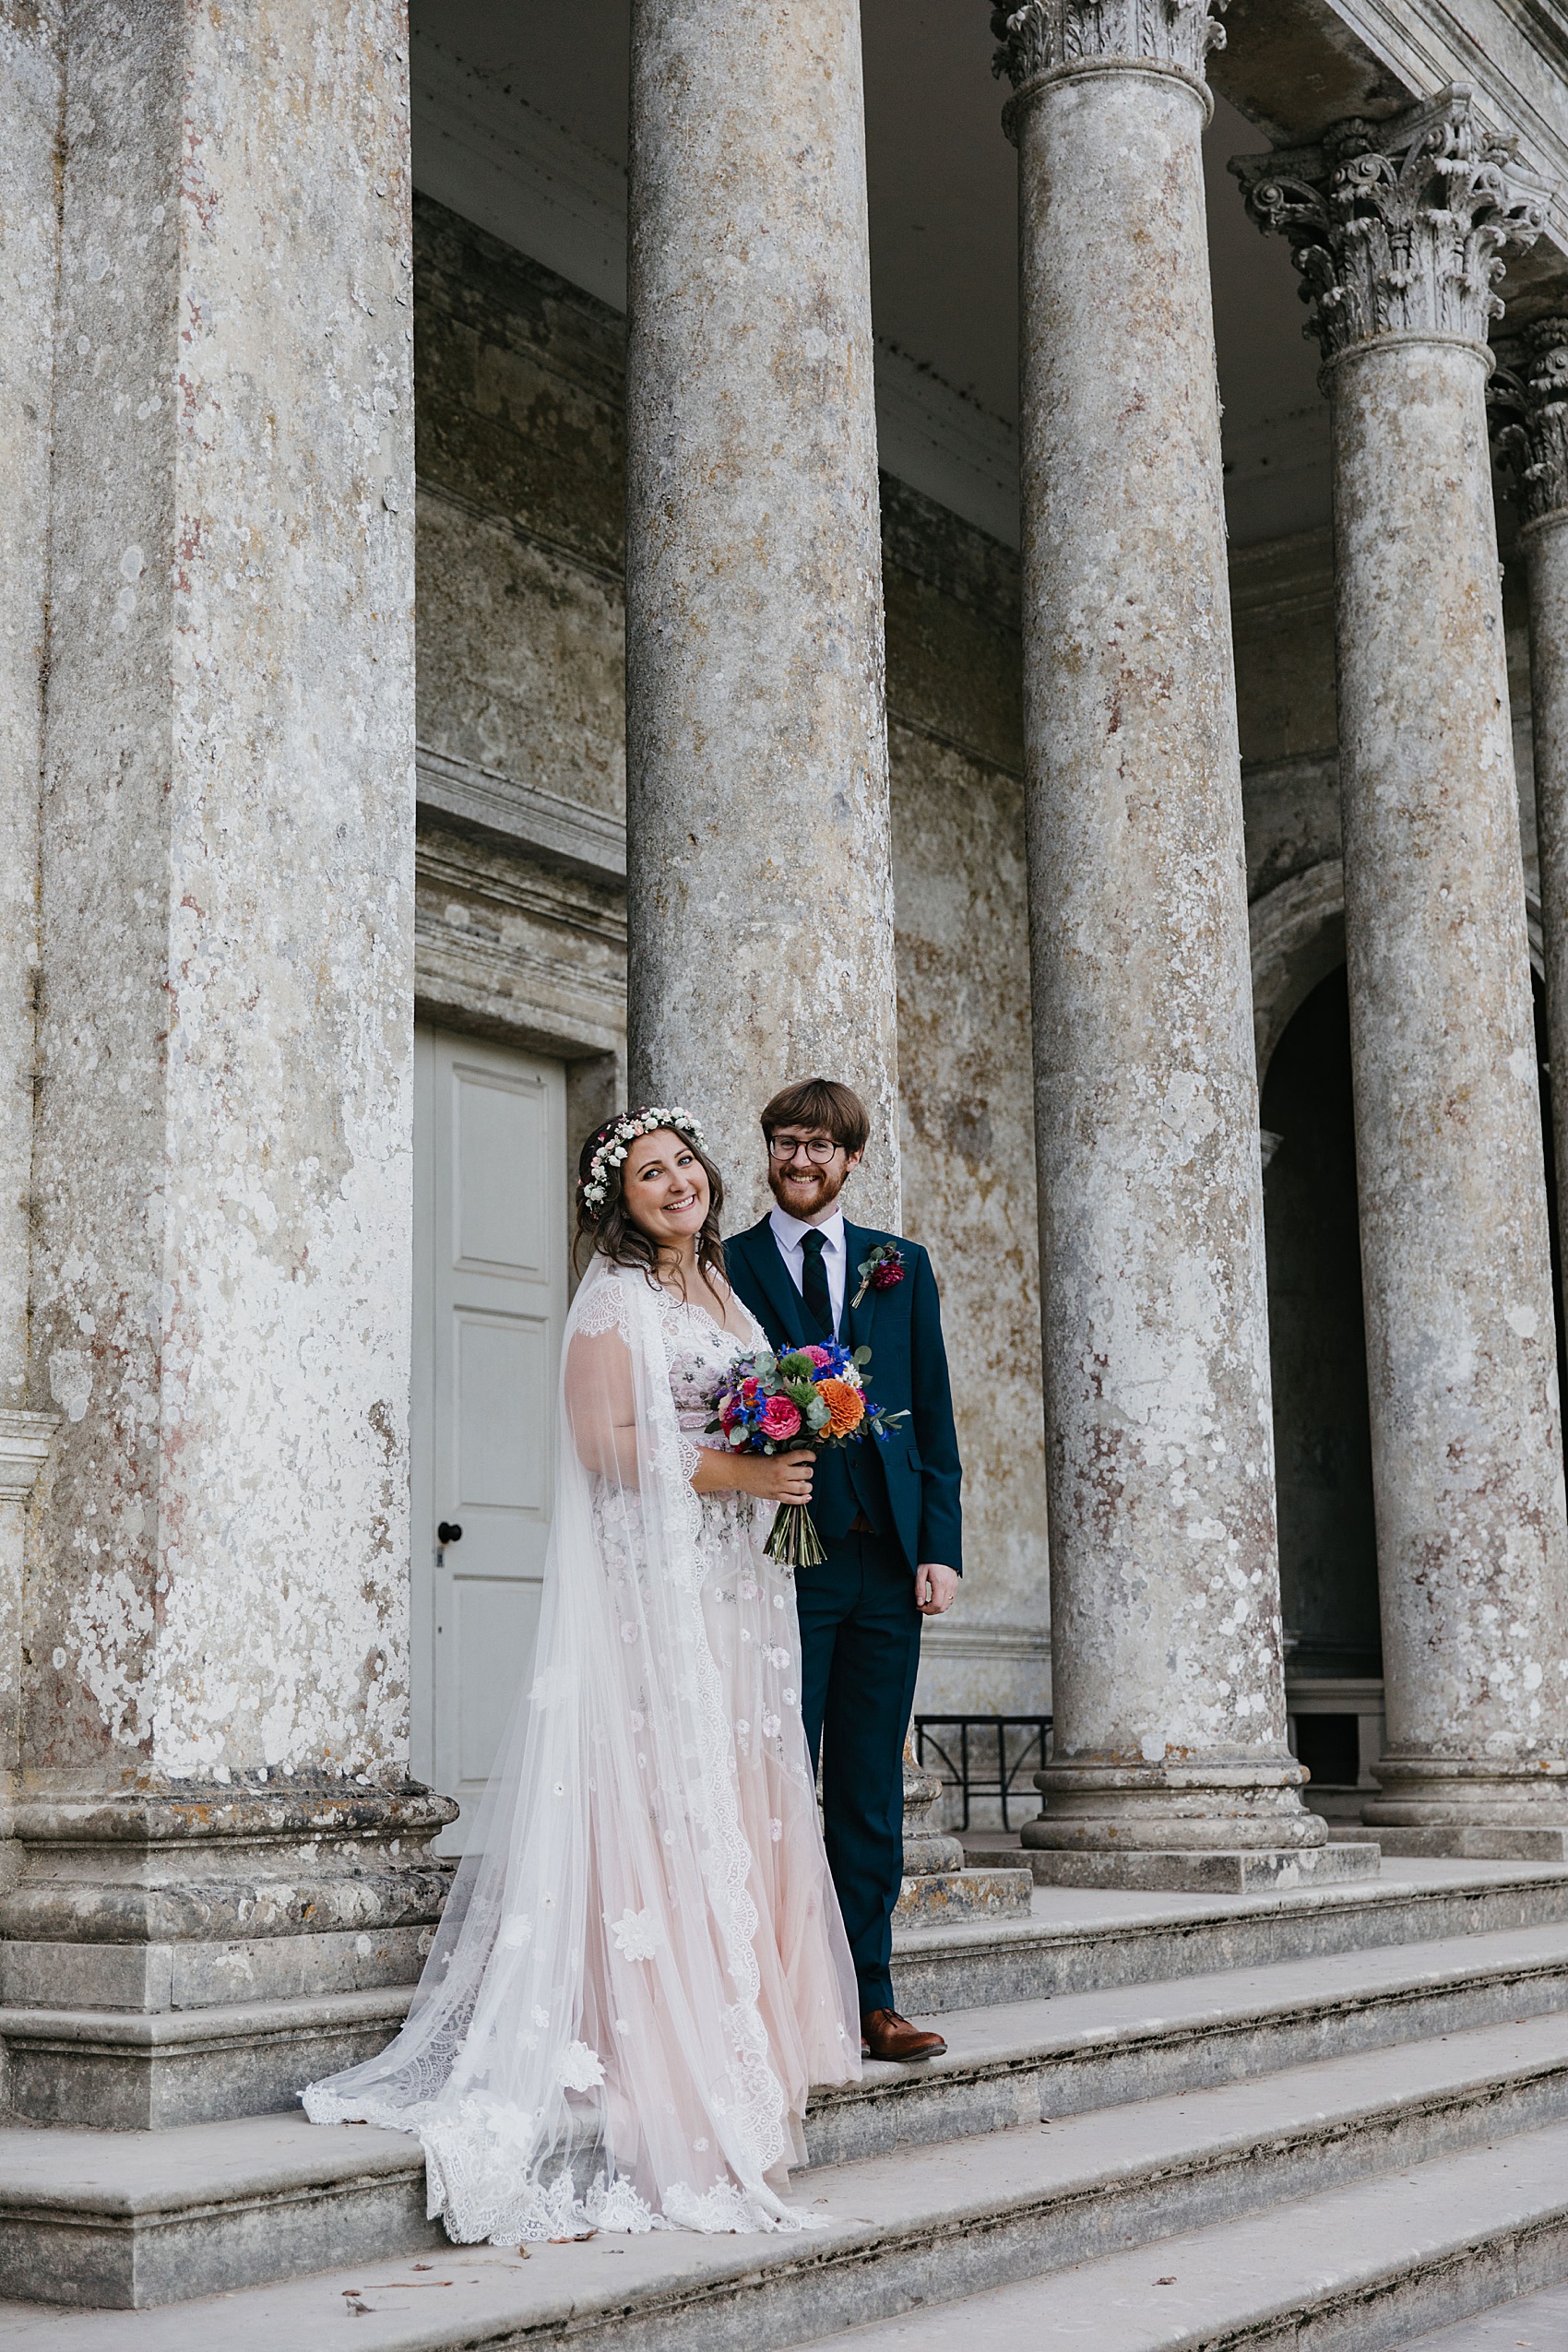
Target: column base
<point>181,1955</point>
<point>1474,1809</point>
<point>1183,1828</point>
<point>940,1888</point>
<point>1095,1806</point>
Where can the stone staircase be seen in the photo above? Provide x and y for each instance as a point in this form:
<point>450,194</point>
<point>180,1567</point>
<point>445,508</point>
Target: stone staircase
<point>1331,2117</point>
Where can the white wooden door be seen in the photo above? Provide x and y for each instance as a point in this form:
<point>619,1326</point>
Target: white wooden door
<point>490,1283</point>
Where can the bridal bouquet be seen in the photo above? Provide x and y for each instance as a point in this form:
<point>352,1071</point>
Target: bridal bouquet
<point>813,1397</point>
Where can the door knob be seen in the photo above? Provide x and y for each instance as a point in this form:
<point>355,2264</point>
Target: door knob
<point>448,1532</point>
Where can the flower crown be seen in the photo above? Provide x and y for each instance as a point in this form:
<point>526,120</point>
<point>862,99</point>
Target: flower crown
<point>615,1139</point>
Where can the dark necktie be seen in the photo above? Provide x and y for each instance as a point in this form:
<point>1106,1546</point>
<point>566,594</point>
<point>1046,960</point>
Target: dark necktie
<point>814,1284</point>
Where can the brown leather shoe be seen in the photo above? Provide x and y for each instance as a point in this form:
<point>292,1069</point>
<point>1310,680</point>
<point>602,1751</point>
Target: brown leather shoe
<point>883,2034</point>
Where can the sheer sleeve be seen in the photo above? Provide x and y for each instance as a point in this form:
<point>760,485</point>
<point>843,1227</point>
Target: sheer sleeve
<point>602,1404</point>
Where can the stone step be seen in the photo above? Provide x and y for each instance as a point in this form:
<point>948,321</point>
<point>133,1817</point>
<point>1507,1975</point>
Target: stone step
<point>1079,1938</point>
<point>128,2219</point>
<point>129,2070</point>
<point>1356,2270</point>
<point>1019,2062</point>
<point>1539,2322</point>
<point>218,2207</point>
<point>134,2064</point>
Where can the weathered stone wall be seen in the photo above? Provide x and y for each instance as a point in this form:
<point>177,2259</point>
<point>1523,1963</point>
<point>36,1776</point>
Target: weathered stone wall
<point>520,458</point>
<point>521,470</point>
<point>961,920</point>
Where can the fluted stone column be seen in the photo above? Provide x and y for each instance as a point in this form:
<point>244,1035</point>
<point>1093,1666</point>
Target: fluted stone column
<point>1398,229</point>
<point>759,863</point>
<point>1170,1763</point>
<point>1529,410</point>
<point>214,1803</point>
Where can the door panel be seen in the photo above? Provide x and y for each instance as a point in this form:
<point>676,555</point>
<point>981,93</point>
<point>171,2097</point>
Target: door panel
<point>501,1367</point>
<point>500,1128</point>
<point>491,1296</point>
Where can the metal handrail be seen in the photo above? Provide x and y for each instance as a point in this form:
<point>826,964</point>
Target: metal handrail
<point>965,1772</point>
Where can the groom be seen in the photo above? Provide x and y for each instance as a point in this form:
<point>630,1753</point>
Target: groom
<point>888,1514</point>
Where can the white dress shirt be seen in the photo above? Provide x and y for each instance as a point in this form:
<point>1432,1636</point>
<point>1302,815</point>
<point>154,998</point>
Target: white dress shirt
<point>790,1235</point>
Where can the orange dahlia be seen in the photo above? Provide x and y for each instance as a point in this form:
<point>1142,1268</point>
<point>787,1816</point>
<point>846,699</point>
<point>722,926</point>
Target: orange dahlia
<point>846,1405</point>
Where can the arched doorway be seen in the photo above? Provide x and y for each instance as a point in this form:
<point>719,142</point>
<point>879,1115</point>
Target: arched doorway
<point>1317,1346</point>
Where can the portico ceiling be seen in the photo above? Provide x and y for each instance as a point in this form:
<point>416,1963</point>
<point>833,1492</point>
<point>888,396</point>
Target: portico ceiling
<point>520,121</point>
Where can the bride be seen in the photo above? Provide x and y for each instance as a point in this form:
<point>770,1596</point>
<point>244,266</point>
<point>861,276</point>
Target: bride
<point>641,1969</point>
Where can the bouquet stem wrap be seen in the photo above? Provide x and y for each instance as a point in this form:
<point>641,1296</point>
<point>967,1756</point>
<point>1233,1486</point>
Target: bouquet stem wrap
<point>794,1541</point>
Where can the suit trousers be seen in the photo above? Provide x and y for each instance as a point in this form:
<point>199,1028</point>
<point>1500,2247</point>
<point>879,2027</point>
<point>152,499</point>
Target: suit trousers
<point>859,1654</point>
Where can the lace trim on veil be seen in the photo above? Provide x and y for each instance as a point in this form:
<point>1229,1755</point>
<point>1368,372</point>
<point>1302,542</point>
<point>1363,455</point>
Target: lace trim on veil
<point>501,2167</point>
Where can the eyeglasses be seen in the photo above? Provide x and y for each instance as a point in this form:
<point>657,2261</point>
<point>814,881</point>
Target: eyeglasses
<point>818,1150</point>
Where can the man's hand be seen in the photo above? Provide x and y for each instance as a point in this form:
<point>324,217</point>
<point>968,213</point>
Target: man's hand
<point>936,1587</point>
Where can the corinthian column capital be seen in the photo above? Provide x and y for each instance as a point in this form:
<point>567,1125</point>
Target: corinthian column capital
<point>1528,400</point>
<point>1398,227</point>
<point>1048,36</point>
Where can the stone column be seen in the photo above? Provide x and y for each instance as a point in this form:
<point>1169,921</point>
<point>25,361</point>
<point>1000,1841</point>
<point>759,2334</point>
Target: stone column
<point>1529,413</point>
<point>1398,229</point>
<point>215,1797</point>
<point>759,865</point>
<point>1171,1766</point>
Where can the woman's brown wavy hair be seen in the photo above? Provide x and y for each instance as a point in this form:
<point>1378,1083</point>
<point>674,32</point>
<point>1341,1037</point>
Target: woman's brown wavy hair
<point>614,1231</point>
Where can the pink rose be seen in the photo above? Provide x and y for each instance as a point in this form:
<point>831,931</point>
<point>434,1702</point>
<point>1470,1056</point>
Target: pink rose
<point>819,1356</point>
<point>779,1418</point>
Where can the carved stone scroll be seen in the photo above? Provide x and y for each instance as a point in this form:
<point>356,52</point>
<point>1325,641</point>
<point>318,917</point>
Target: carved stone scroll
<point>1398,227</point>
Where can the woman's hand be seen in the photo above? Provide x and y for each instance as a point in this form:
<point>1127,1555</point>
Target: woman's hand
<point>780,1477</point>
<point>772,1478</point>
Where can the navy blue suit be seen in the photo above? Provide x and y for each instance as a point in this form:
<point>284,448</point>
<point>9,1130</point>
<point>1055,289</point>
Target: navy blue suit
<point>860,1628</point>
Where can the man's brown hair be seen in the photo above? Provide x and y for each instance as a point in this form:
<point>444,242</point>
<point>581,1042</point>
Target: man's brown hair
<point>819,1103</point>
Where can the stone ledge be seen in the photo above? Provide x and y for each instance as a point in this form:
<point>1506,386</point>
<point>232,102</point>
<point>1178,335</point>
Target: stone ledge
<point>1077,1938</point>
<point>1243,1870</point>
<point>147,1977</point>
<point>118,2071</point>
<point>1470,1841</point>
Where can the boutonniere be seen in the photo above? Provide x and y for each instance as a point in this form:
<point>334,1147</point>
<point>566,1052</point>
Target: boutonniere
<point>880,1271</point>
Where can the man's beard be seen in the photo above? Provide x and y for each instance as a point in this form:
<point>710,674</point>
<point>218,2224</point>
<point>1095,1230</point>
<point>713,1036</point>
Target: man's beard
<point>807,1201</point>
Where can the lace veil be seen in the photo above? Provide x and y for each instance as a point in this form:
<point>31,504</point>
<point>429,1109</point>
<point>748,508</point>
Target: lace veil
<point>588,2043</point>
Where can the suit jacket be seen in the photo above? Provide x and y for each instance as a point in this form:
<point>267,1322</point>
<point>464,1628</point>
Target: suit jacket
<point>908,1487</point>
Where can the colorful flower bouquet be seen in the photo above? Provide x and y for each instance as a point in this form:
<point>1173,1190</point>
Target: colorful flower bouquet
<point>811,1398</point>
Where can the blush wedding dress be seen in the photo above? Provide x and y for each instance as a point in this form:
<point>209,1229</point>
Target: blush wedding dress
<point>641,1969</point>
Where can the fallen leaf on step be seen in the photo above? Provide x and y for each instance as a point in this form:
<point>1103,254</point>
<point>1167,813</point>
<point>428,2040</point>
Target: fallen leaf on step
<point>423,2266</point>
<point>362,2310</point>
<point>1164,2282</point>
<point>524,2251</point>
<point>575,2237</point>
